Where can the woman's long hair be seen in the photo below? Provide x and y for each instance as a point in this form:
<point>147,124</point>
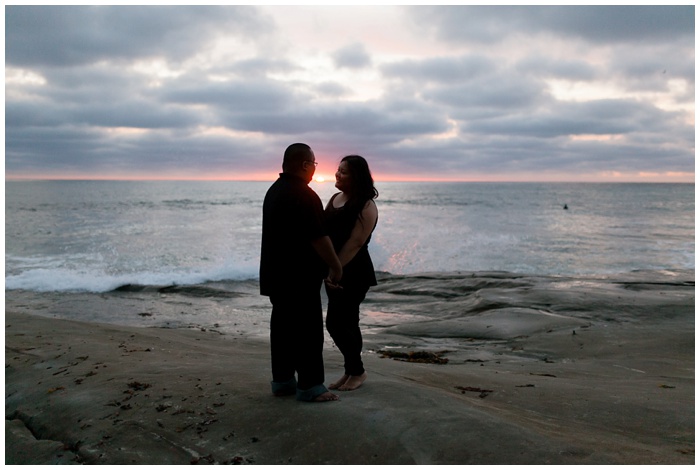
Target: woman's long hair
<point>362,182</point>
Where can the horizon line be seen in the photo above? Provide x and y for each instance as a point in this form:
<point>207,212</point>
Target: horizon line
<point>376,180</point>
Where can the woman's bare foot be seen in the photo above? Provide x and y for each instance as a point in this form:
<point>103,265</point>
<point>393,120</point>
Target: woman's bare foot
<point>326,396</point>
<point>354,382</point>
<point>339,383</point>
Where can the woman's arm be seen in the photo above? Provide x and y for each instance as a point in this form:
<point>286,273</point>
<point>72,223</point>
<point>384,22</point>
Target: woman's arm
<point>360,233</point>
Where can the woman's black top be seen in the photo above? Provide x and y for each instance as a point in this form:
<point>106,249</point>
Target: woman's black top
<point>340,221</point>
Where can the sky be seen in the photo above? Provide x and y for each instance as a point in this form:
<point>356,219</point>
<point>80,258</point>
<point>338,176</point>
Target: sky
<point>459,93</point>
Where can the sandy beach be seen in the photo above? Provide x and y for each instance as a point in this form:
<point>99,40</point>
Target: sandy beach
<point>503,369</point>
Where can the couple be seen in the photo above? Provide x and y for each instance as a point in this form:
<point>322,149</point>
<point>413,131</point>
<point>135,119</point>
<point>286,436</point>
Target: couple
<point>301,245</point>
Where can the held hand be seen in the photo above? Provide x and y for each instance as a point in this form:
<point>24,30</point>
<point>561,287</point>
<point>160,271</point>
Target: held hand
<point>332,285</point>
<point>333,279</point>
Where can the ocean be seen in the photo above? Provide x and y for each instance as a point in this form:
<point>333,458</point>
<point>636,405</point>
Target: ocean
<point>97,236</point>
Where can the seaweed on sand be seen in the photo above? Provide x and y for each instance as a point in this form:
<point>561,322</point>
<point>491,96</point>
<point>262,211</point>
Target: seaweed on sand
<point>425,357</point>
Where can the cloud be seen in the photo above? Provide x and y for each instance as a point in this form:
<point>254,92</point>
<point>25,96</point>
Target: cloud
<point>483,95</point>
<point>566,69</point>
<point>603,117</point>
<point>440,69</point>
<point>64,36</point>
<point>595,24</point>
<point>452,92</point>
<point>236,96</point>
<point>353,56</point>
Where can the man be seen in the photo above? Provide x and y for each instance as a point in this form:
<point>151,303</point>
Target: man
<point>296,254</point>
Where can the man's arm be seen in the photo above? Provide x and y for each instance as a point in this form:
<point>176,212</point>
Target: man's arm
<point>324,248</point>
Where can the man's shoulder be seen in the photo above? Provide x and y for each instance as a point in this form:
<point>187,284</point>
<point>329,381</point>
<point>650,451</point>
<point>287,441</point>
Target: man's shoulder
<point>290,182</point>
<point>292,190</point>
<point>296,184</point>
<point>280,185</point>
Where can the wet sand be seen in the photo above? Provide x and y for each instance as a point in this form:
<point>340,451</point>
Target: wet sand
<point>513,370</point>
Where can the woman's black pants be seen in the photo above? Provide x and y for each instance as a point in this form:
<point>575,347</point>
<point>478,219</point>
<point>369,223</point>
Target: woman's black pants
<point>343,324</point>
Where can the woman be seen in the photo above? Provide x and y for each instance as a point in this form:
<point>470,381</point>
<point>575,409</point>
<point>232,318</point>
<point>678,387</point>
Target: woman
<point>351,216</point>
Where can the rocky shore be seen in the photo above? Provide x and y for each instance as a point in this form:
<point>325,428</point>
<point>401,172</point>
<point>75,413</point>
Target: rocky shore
<point>464,368</point>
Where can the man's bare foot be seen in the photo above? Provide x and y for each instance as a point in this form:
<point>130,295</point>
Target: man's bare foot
<point>354,382</point>
<point>339,383</point>
<point>326,396</point>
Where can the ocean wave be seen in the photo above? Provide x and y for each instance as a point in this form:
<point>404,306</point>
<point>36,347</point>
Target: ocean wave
<point>189,203</point>
<point>96,281</point>
<point>200,291</point>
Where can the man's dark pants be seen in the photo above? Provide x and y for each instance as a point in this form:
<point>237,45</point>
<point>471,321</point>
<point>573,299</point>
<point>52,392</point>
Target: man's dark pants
<point>296,337</point>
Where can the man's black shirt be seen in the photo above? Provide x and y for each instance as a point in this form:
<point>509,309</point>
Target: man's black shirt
<point>292,219</point>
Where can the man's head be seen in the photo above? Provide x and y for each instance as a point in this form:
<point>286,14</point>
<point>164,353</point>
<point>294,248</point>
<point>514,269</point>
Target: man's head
<point>299,160</point>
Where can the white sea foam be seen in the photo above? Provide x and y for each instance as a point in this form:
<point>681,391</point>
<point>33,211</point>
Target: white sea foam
<point>96,280</point>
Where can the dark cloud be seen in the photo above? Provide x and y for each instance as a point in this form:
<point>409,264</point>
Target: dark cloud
<point>358,120</point>
<point>596,24</point>
<point>332,89</point>
<point>440,69</point>
<point>353,56</point>
<point>567,69</point>
<point>234,96</point>
<point>128,112</point>
<point>75,150</point>
<point>44,150</point>
<point>651,68</point>
<point>620,23</point>
<point>601,117</point>
<point>497,93</point>
<point>62,36</point>
<point>257,67</point>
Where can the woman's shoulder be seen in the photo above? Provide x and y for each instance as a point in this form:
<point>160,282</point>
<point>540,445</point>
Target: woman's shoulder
<point>330,201</point>
<point>370,210</point>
